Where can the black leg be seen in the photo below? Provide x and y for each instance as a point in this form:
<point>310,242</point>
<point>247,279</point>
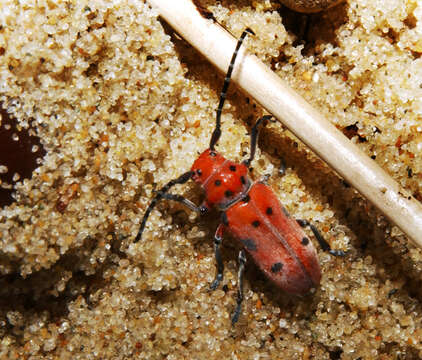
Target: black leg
<point>322,242</point>
<point>254,137</point>
<point>218,238</point>
<point>162,194</point>
<point>239,300</point>
<point>217,131</point>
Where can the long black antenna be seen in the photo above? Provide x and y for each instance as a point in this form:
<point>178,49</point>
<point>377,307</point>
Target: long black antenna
<point>217,131</point>
<point>163,194</point>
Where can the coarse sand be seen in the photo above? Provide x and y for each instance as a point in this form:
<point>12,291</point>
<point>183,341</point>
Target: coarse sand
<point>122,105</point>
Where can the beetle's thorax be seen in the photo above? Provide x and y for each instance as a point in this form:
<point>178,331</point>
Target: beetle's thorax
<point>224,181</point>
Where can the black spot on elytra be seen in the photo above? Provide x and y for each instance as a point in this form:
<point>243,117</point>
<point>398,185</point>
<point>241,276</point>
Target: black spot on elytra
<point>305,241</point>
<point>243,180</point>
<point>232,168</point>
<point>217,182</point>
<point>276,267</point>
<point>249,244</point>
<point>256,223</point>
<point>228,193</point>
<point>269,210</point>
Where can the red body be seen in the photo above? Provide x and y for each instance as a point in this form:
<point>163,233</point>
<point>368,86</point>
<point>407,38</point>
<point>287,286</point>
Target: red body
<point>254,215</point>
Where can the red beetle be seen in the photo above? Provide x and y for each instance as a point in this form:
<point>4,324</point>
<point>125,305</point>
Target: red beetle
<point>252,213</point>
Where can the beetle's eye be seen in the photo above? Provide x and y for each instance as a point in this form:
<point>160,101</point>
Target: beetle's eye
<point>199,172</point>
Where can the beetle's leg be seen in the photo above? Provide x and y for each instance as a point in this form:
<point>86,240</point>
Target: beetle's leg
<point>217,131</point>
<point>254,137</point>
<point>242,262</point>
<point>218,238</point>
<point>322,242</point>
<point>162,194</point>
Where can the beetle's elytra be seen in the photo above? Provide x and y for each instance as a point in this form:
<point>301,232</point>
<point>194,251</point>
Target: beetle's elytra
<point>251,212</point>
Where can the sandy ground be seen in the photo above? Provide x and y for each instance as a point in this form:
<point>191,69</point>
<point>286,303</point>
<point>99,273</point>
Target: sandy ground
<point>121,105</point>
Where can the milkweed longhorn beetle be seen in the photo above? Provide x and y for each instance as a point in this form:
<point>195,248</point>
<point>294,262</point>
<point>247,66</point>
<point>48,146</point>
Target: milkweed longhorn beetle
<point>251,212</point>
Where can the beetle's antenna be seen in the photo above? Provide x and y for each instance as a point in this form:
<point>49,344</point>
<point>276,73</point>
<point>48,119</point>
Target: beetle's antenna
<point>162,194</point>
<point>217,131</point>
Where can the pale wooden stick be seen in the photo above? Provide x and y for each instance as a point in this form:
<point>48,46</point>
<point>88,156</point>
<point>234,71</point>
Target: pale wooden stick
<point>217,45</point>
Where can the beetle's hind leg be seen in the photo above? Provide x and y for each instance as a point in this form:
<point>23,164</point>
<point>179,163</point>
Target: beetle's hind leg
<point>322,242</point>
